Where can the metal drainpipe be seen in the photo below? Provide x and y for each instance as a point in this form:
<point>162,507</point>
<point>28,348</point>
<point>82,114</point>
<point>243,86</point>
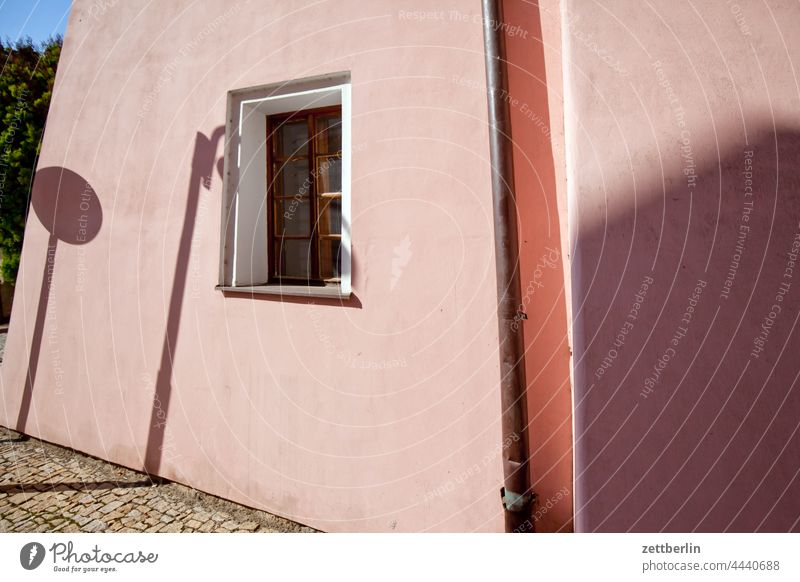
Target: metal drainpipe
<point>516,494</point>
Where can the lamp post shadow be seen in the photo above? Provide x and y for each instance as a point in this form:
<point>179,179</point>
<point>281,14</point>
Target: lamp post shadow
<point>203,163</point>
<point>67,206</point>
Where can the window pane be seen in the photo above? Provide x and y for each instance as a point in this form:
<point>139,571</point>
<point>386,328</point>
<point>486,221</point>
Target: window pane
<point>329,133</point>
<point>292,178</point>
<point>294,258</point>
<point>330,216</point>
<point>330,258</point>
<point>329,174</point>
<point>291,138</point>
<point>294,217</point>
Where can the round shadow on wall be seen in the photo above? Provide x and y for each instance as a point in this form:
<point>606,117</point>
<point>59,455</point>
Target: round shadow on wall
<point>66,205</point>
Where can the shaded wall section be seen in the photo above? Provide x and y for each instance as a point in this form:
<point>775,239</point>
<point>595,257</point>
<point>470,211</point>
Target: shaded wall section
<point>535,104</point>
<point>684,166</point>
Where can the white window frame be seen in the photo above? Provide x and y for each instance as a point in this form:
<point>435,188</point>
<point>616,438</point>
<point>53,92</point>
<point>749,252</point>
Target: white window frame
<point>244,246</point>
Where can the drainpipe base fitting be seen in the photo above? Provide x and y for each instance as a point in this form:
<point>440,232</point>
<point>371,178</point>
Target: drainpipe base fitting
<point>515,502</point>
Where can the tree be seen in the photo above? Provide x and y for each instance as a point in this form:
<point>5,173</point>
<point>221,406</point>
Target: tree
<point>27,73</point>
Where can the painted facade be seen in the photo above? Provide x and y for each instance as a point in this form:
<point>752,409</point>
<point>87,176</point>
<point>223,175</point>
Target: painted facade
<point>635,128</point>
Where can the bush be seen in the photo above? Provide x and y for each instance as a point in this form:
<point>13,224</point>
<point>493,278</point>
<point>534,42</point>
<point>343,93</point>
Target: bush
<point>27,73</point>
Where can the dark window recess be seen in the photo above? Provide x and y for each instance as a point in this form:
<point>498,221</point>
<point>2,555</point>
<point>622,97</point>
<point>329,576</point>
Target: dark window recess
<point>304,196</point>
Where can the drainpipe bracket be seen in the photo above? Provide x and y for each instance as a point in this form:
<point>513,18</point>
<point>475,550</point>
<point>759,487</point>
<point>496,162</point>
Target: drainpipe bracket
<point>515,502</point>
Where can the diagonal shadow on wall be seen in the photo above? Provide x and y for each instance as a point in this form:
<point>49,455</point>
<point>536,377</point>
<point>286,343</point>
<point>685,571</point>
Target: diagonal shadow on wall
<point>687,404</point>
<point>203,164</point>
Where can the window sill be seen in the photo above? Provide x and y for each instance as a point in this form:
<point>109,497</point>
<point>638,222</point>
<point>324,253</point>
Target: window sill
<point>329,292</point>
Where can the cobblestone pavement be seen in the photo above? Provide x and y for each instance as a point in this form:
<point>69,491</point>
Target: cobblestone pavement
<point>46,488</point>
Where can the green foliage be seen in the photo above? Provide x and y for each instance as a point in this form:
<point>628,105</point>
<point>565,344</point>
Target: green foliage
<point>27,73</point>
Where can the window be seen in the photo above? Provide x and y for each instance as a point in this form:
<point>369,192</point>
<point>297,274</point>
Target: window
<point>286,203</point>
<point>304,184</point>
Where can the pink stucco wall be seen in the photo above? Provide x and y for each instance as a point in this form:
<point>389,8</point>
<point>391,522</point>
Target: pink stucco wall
<point>533,45</point>
<point>683,157</point>
<point>379,414</point>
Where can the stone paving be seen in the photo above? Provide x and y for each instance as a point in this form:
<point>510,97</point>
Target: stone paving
<point>46,488</point>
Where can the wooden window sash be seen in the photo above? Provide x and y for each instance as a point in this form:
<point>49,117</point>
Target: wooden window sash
<point>274,124</point>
